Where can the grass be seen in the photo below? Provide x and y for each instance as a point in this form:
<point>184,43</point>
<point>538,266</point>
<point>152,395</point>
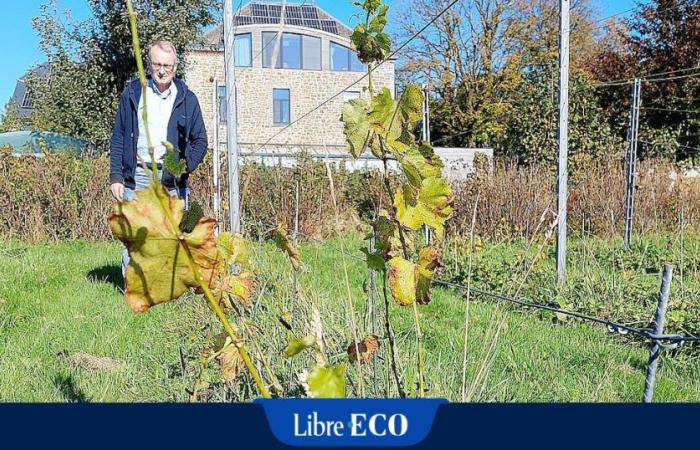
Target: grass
<point>58,300</point>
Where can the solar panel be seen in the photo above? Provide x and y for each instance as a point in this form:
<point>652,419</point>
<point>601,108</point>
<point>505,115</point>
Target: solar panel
<point>294,12</point>
<point>330,26</point>
<point>309,12</point>
<point>265,20</point>
<point>243,20</point>
<point>294,21</point>
<point>312,23</point>
<point>259,10</point>
<point>275,10</point>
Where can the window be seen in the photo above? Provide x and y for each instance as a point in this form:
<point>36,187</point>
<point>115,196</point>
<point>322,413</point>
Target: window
<point>294,51</point>
<point>269,44</point>
<point>350,95</point>
<point>243,50</point>
<point>291,51</point>
<point>222,103</point>
<point>27,100</point>
<point>344,59</point>
<point>280,106</point>
<point>311,52</point>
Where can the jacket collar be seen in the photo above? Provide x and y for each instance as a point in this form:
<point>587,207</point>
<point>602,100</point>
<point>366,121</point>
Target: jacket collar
<point>135,91</point>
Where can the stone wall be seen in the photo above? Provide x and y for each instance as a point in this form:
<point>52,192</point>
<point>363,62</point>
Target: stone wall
<point>308,89</point>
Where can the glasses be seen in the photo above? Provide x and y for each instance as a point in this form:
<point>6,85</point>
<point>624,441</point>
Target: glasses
<point>166,67</point>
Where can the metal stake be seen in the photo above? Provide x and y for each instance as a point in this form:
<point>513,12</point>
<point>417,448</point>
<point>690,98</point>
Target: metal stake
<point>659,320</point>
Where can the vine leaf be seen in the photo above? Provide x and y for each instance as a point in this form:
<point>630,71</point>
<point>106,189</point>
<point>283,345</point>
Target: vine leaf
<point>158,269</point>
<point>371,42</point>
<point>172,162</point>
<point>410,282</point>
<point>229,359</point>
<point>324,381</point>
<point>284,243</point>
<point>366,347</point>
<point>297,345</point>
<point>432,205</point>
<point>357,128</point>
<point>420,164</point>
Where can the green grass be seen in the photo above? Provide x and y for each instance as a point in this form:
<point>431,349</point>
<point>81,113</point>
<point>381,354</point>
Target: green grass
<point>60,299</point>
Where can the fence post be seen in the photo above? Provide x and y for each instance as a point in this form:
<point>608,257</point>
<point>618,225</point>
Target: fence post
<point>633,135</point>
<point>297,187</point>
<point>659,320</point>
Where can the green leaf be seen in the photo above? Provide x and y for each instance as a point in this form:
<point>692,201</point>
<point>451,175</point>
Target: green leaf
<point>432,205</point>
<point>357,128</point>
<point>191,217</point>
<point>410,106</point>
<point>297,345</point>
<point>402,280</point>
<point>410,282</point>
<point>172,162</point>
<point>417,166</point>
<point>284,243</point>
<point>326,382</point>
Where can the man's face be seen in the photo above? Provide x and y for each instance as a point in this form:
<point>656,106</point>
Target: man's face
<point>162,66</point>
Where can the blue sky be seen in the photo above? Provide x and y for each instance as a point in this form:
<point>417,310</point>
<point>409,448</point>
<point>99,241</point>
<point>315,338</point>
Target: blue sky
<point>19,43</point>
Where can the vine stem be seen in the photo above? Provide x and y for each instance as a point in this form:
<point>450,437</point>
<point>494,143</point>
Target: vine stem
<point>416,318</point>
<point>213,304</point>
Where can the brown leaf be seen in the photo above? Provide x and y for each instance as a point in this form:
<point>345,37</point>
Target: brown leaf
<point>366,347</point>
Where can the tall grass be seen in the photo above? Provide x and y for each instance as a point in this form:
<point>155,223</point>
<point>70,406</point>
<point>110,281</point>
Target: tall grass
<point>64,197</point>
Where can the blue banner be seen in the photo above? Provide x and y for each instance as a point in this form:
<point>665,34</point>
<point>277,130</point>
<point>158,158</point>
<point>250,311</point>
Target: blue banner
<point>350,423</point>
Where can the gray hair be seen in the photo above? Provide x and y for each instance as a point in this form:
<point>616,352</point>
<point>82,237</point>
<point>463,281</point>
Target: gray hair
<point>163,45</point>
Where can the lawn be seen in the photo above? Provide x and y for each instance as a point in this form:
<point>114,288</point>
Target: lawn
<point>66,334</point>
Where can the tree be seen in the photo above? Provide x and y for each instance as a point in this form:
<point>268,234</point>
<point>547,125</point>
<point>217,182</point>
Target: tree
<point>91,61</point>
<point>10,119</point>
<point>483,59</point>
<point>663,36</point>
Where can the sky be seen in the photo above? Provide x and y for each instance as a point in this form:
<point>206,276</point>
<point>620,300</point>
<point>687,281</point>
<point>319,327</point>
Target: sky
<point>19,43</point>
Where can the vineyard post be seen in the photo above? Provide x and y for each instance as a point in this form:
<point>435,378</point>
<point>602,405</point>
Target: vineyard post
<point>563,135</point>
<point>426,138</point>
<point>231,121</point>
<point>656,346</point>
<point>216,158</point>
<point>631,158</point>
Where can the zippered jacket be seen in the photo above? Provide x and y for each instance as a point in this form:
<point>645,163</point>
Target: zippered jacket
<point>186,132</point>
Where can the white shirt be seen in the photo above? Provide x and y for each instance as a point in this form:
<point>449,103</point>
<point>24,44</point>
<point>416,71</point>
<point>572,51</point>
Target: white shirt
<point>160,108</point>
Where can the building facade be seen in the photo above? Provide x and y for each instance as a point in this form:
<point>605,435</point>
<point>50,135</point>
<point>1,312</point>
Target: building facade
<point>290,60</point>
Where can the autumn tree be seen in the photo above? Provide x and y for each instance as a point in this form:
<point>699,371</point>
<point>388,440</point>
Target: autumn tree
<point>661,37</point>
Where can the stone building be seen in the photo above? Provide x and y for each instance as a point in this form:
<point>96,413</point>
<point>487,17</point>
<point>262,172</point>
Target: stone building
<point>290,58</point>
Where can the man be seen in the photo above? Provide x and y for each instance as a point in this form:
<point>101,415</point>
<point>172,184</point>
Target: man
<point>174,116</point>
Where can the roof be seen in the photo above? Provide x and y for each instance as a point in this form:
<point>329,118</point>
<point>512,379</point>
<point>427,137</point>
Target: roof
<point>268,13</point>
<point>21,96</point>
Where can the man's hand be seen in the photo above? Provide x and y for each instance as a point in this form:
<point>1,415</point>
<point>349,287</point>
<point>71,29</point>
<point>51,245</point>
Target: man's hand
<point>117,191</point>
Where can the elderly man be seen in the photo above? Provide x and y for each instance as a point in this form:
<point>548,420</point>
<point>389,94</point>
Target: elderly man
<point>174,116</point>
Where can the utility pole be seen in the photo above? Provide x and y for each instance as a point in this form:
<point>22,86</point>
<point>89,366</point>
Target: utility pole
<point>563,134</point>
<point>632,136</point>
<point>231,121</point>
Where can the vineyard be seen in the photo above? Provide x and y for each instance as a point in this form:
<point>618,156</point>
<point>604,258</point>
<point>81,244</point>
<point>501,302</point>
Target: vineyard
<point>344,284</point>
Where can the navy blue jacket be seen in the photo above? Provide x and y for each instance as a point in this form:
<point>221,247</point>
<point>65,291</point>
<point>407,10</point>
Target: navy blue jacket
<point>186,132</point>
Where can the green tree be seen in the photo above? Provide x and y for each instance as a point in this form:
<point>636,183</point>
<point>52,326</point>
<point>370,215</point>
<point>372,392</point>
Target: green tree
<point>92,60</point>
<point>10,119</point>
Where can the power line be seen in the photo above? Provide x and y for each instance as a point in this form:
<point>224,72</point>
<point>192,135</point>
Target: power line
<point>691,111</point>
<point>371,69</point>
